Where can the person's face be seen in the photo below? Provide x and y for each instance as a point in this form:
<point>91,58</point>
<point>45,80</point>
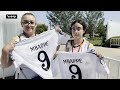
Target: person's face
<point>77,31</point>
<point>29,25</point>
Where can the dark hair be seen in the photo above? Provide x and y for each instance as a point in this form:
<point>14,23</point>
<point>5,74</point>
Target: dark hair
<point>27,14</point>
<point>81,22</point>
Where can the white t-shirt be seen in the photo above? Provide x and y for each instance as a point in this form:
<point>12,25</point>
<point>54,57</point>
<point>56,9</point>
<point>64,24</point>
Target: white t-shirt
<point>22,50</point>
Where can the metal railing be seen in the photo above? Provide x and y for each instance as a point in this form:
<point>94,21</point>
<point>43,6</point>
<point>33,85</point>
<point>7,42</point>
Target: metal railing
<point>114,67</point>
<point>115,42</point>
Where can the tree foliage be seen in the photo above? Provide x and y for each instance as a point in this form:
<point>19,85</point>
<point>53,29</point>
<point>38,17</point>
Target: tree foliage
<point>63,18</point>
<point>41,28</point>
<point>94,20</point>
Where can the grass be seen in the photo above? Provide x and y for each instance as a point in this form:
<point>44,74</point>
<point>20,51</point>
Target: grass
<point>96,41</point>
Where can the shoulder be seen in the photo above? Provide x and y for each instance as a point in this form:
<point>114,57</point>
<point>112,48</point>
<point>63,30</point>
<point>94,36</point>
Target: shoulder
<point>90,44</point>
<point>16,38</point>
<point>68,42</point>
<point>68,45</point>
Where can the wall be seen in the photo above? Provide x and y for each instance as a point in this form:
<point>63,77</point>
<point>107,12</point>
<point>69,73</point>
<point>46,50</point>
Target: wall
<point>9,27</point>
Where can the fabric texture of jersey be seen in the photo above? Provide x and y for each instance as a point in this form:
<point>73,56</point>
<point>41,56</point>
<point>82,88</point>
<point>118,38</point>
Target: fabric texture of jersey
<point>27,49</point>
<point>28,73</point>
<point>86,46</point>
<point>79,66</point>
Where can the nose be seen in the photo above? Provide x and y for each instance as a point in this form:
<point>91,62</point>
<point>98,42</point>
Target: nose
<point>75,31</point>
<point>29,24</point>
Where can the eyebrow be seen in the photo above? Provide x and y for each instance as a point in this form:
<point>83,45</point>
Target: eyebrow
<point>79,27</point>
<point>28,20</point>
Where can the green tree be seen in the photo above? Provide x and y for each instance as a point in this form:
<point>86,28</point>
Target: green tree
<point>102,32</point>
<point>63,18</point>
<point>41,28</point>
<point>101,29</point>
<point>94,20</point>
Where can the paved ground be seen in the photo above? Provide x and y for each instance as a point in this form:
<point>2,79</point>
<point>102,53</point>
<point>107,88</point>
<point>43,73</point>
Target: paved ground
<point>106,52</point>
<point>109,52</point>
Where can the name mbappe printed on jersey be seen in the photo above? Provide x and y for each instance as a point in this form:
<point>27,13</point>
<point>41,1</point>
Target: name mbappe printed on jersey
<point>39,46</point>
<point>72,61</point>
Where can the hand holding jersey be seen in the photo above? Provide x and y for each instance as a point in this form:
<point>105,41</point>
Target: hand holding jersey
<point>80,66</point>
<point>28,50</point>
<point>78,43</point>
<point>26,53</point>
<point>37,53</point>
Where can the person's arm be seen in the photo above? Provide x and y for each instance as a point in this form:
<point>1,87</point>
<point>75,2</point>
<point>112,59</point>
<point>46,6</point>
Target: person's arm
<point>63,37</point>
<point>102,67</point>
<point>5,62</point>
<point>91,47</point>
<point>5,58</point>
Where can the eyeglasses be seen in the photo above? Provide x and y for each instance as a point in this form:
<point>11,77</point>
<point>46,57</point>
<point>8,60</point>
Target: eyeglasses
<point>28,22</point>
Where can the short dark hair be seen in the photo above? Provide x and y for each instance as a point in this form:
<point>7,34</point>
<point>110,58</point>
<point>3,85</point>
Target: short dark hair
<point>27,14</point>
<point>81,22</point>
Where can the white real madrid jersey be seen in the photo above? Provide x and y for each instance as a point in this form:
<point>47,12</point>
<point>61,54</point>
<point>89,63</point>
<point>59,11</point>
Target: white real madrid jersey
<point>79,65</point>
<point>37,53</point>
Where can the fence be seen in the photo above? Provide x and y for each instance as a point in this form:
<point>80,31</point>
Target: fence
<point>114,42</point>
<point>114,67</point>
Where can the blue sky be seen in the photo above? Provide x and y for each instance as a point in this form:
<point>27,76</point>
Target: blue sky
<point>109,15</point>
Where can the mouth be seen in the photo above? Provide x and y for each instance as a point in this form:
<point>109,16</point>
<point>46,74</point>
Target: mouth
<point>28,28</point>
<point>76,36</point>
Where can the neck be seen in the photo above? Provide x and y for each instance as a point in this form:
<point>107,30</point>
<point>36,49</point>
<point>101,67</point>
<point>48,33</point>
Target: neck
<point>28,36</point>
<point>78,41</point>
